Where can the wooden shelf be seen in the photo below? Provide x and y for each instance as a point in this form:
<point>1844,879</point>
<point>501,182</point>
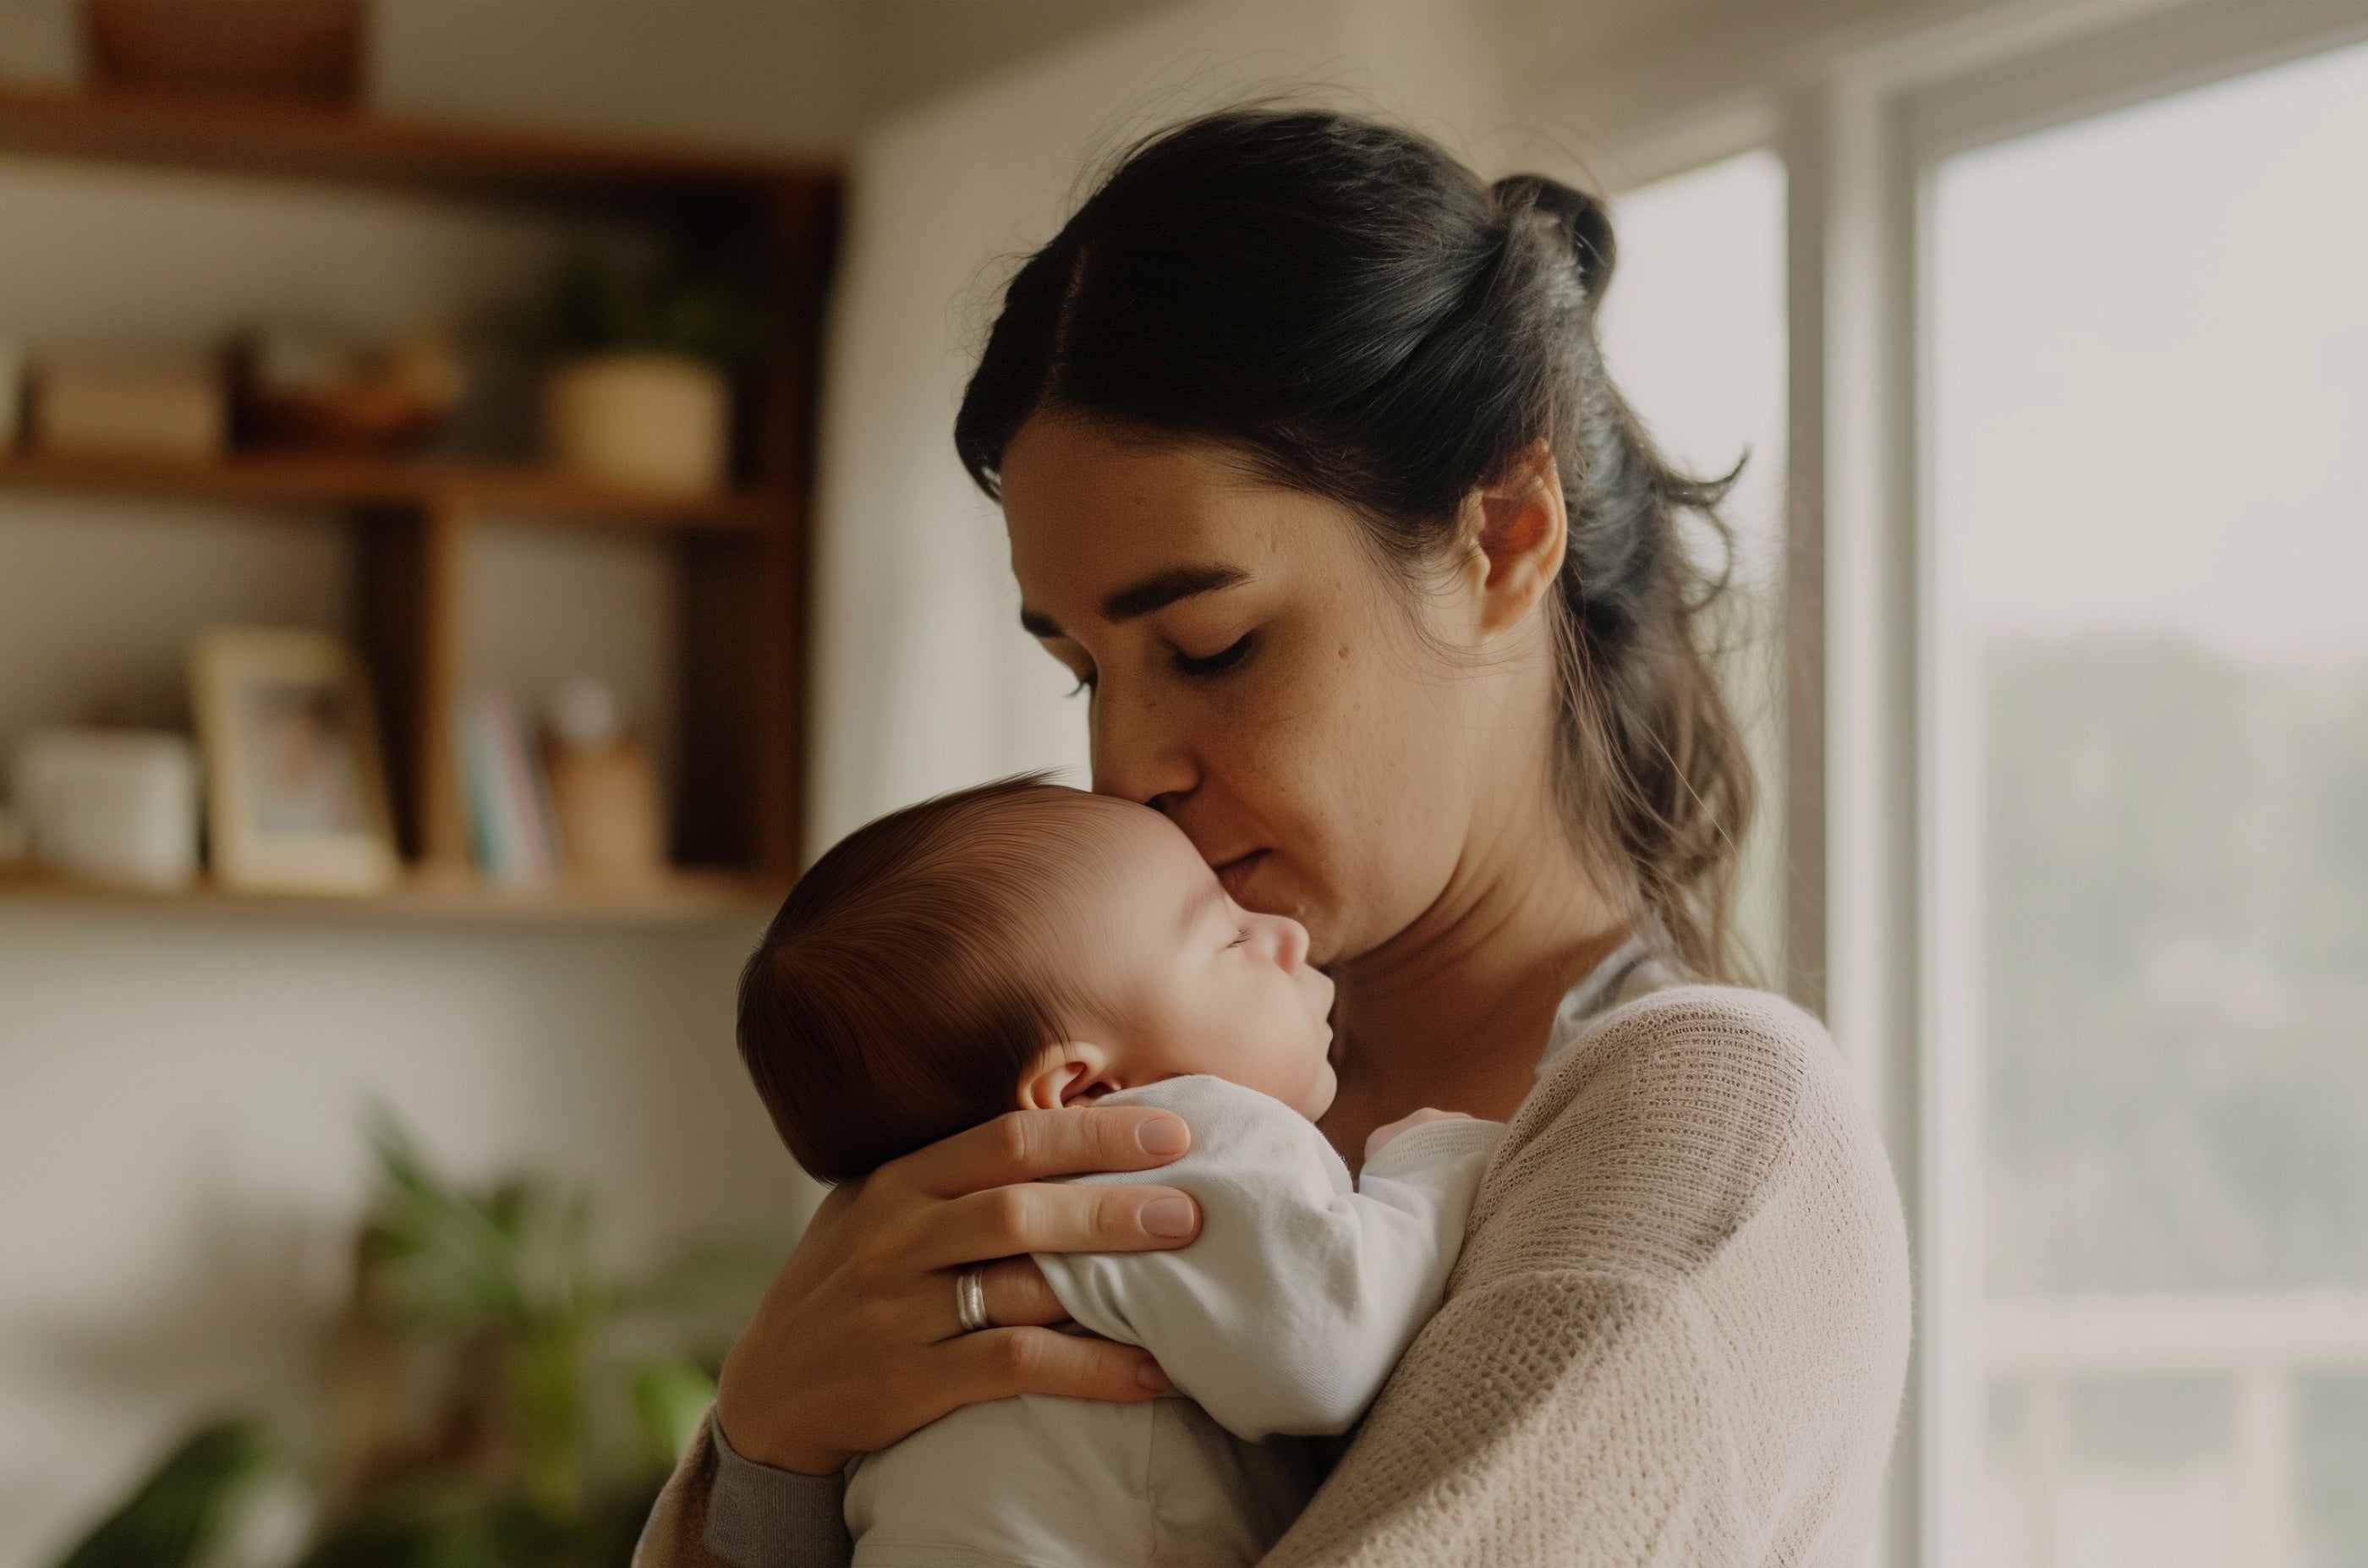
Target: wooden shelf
<point>739,560</point>
<point>348,147</point>
<point>687,898</point>
<point>332,480</point>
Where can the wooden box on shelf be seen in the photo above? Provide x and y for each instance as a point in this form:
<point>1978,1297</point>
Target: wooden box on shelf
<point>740,553</point>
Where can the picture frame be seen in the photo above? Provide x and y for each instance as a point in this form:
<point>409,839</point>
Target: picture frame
<point>295,787</point>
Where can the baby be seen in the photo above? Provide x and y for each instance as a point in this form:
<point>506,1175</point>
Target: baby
<point>1026,947</point>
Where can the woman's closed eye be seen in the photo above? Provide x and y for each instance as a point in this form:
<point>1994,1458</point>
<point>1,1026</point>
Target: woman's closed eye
<point>1218,662</point>
<point>1080,667</point>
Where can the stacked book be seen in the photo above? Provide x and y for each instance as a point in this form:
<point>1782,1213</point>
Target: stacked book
<point>511,828</point>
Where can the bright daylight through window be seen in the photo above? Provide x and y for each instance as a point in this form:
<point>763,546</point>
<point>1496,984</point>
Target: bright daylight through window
<point>2149,430</point>
<point>1693,332</point>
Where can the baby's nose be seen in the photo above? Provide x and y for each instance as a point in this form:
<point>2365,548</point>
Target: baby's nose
<point>1289,939</point>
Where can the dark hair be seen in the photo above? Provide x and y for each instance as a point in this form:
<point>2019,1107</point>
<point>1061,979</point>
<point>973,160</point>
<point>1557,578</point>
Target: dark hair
<point>1359,316</point>
<point>888,1004</point>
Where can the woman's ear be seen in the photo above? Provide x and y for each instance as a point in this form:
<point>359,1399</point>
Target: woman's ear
<point>1517,527</point>
<point>1064,1074</point>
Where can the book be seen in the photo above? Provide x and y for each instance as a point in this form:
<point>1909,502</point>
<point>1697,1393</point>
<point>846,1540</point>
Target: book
<point>510,826</point>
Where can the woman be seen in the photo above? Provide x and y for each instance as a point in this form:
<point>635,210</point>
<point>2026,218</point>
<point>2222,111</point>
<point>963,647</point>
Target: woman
<point>1313,478</point>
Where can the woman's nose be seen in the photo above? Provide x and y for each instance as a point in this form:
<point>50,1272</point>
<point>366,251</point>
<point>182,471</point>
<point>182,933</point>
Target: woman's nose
<point>1138,753</point>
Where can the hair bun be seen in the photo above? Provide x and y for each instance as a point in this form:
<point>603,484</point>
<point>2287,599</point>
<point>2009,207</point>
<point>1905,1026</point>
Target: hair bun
<point>1585,222</point>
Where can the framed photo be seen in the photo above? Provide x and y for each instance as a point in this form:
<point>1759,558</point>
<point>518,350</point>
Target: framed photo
<point>295,795</point>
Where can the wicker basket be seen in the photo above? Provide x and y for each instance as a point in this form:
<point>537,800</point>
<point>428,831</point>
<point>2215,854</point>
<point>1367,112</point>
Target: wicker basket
<point>304,49</point>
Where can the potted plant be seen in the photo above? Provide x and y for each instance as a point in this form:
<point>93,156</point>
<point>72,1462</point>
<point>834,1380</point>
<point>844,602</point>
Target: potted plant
<point>639,389</point>
<point>506,1403</point>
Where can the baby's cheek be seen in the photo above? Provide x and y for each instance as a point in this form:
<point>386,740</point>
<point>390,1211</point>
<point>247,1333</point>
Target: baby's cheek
<point>1320,1092</point>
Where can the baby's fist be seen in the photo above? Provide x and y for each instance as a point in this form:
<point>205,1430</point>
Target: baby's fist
<point>1379,1139</point>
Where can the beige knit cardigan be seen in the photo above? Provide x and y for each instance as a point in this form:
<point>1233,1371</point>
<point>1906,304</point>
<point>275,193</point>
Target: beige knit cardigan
<point>1676,1335</point>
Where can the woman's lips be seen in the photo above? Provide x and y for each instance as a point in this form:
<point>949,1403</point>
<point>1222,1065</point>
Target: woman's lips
<point>1235,873</point>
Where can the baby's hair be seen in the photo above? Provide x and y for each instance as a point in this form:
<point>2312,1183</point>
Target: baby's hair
<point>894,1001</point>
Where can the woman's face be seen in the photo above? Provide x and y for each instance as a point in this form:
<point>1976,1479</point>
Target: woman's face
<point>1257,674</point>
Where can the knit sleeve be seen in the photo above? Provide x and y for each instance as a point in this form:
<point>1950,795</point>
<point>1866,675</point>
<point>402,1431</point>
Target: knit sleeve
<point>1679,1330</point>
<point>720,1510</point>
<point>1477,1453</point>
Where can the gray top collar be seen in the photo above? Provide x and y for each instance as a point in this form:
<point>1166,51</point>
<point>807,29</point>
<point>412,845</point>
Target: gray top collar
<point>1629,971</point>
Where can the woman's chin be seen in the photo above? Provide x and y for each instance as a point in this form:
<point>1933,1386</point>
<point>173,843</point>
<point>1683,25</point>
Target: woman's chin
<point>1262,882</point>
<point>1241,875</point>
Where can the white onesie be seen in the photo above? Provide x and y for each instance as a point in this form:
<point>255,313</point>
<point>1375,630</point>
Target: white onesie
<point>1279,1321</point>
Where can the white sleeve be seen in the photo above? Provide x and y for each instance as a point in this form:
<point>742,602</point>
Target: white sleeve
<point>1288,1311</point>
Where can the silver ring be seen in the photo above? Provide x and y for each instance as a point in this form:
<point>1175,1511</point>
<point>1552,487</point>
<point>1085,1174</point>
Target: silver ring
<point>970,1299</point>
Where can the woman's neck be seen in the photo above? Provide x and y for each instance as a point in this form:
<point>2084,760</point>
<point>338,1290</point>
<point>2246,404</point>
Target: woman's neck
<point>1455,1011</point>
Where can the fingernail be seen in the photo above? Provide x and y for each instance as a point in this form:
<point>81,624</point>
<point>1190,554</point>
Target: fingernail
<point>1168,1217</point>
<point>1168,1135</point>
<point>1148,1374</point>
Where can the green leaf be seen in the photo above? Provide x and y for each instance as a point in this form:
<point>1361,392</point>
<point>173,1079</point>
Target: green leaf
<point>178,1514</point>
<point>673,1396</point>
<point>595,305</point>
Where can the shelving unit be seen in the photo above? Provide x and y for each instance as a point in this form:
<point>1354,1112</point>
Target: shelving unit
<point>740,558</point>
<point>335,480</point>
<point>686,898</point>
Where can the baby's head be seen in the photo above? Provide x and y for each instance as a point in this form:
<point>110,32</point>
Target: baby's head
<point>1018,946</point>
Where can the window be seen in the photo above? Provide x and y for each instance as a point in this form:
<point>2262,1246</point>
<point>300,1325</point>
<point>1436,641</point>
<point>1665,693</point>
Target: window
<point>2148,375</point>
<point>1694,335</point>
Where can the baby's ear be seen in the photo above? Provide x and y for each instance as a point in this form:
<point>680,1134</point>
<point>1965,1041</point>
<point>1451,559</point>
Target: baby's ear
<point>1067,1074</point>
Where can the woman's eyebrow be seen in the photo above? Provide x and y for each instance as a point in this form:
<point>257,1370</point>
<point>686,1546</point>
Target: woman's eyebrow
<point>1163,588</point>
<point>1135,600</point>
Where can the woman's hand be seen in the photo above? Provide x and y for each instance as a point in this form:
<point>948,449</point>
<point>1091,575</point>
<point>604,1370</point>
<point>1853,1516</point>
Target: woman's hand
<point>856,1343</point>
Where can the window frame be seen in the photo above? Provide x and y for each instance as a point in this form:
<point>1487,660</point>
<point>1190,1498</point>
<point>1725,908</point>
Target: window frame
<point>1860,133</point>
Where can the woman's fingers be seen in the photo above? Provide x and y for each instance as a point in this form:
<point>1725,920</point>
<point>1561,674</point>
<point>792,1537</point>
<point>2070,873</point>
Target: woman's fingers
<point>855,1344</point>
<point>1017,1297</point>
<point>1025,1145</point>
<point>1017,1294</point>
<point>997,1363</point>
<point>1044,1217</point>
